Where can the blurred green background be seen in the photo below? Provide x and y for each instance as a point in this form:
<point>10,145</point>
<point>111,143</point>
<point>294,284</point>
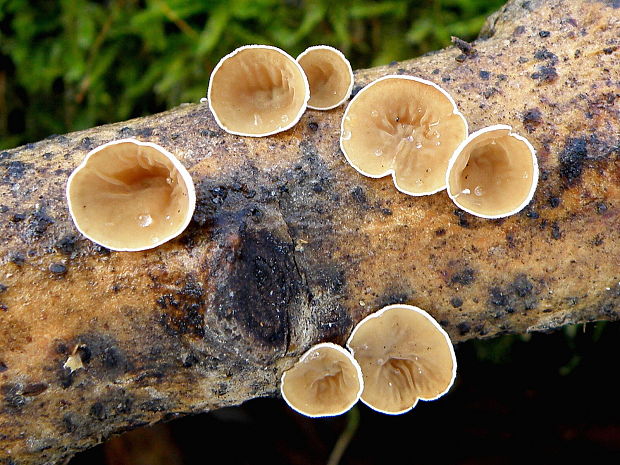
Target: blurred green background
<point>72,64</point>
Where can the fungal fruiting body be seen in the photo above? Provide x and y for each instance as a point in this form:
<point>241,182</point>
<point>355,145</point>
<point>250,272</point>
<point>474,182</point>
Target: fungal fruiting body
<point>329,75</point>
<point>128,195</point>
<point>325,381</point>
<point>257,90</point>
<point>404,126</point>
<point>404,355</point>
<point>493,173</point>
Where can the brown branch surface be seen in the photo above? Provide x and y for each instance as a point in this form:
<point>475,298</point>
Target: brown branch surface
<point>290,246</point>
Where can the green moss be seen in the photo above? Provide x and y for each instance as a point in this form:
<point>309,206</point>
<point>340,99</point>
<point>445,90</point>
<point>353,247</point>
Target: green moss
<point>71,64</point>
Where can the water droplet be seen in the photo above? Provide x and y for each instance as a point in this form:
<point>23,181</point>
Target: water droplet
<point>418,182</point>
<point>379,361</point>
<point>284,118</point>
<point>378,152</point>
<point>478,191</point>
<point>346,135</point>
<point>493,142</point>
<point>428,170</point>
<point>257,119</point>
<point>466,191</point>
<point>409,138</point>
<point>203,100</point>
<point>437,144</point>
<point>347,118</point>
<point>168,180</point>
<point>525,175</point>
<point>374,113</point>
<point>418,145</point>
<point>434,124</point>
<point>145,220</point>
<point>167,217</point>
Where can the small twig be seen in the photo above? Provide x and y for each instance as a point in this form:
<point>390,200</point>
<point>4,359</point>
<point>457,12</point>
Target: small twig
<point>353,421</point>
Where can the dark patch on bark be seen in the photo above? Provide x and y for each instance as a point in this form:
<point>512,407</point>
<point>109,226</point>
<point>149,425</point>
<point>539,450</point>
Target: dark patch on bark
<point>464,277</point>
<point>38,224</point>
<point>463,328</point>
<point>34,389</point>
<point>544,54</point>
<point>14,401</point>
<point>58,269</point>
<point>359,196</point>
<point>545,74</point>
<point>456,302</point>
<point>260,285</point>
<point>98,411</point>
<point>101,355</point>
<point>532,119</point>
<point>67,245</point>
<point>3,367</point>
<point>14,170</point>
<point>572,158</point>
<point>184,310</point>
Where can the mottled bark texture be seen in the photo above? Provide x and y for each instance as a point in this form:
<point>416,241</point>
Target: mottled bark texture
<point>290,246</point>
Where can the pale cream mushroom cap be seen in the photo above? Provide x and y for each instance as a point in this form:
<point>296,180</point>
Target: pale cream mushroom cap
<point>257,90</point>
<point>493,173</point>
<point>129,195</point>
<point>404,126</point>
<point>404,355</point>
<point>329,74</point>
<point>325,381</point>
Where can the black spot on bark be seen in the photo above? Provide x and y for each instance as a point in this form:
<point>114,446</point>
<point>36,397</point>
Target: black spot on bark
<point>3,367</point>
<point>555,231</point>
<point>464,277</point>
<point>518,30</point>
<point>544,34</point>
<point>497,297</point>
<point>462,216</point>
<point>67,244</point>
<point>313,126</point>
<point>13,398</point>
<point>522,285</point>
<point>572,158</point>
<point>456,302</point>
<point>184,310</point>
<point>38,224</point>
<point>440,232</point>
<point>58,269</point>
<point>3,288</point>
<point>463,328</point>
<point>544,54</point>
<point>545,74</point>
<point>98,411</point>
<point>34,389</point>
<point>465,47</point>
<point>531,119</point>
<point>70,422</point>
<point>14,170</point>
<point>190,360</point>
<point>601,208</point>
<point>358,195</point>
<point>554,202</point>
<point>484,75</point>
<point>18,258</point>
<point>18,217</point>
<point>261,283</point>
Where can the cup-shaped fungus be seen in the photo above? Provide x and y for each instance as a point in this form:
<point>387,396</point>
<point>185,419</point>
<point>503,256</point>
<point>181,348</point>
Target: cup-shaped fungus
<point>128,195</point>
<point>493,173</point>
<point>325,381</point>
<point>404,126</point>
<point>329,74</point>
<point>257,90</point>
<point>404,355</point>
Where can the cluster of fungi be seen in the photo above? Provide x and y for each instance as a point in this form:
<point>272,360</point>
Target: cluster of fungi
<point>129,196</point>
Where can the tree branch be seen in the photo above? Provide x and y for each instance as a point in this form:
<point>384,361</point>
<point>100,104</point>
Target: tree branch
<point>290,246</point>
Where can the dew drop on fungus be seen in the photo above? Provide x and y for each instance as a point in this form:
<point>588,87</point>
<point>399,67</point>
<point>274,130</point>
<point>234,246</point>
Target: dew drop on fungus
<point>378,152</point>
<point>145,220</point>
<point>478,191</point>
<point>374,113</point>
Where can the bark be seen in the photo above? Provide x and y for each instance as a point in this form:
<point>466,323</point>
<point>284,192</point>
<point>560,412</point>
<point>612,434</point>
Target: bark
<point>290,246</point>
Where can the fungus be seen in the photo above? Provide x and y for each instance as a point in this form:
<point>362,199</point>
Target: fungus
<point>257,90</point>
<point>326,381</point>
<point>404,126</point>
<point>329,75</point>
<point>493,173</point>
<point>404,355</point>
<point>128,195</point>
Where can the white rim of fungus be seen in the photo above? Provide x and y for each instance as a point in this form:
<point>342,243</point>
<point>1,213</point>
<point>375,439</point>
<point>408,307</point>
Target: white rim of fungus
<point>344,58</point>
<point>429,317</point>
<point>391,171</point>
<point>349,356</point>
<point>292,123</point>
<point>187,179</point>
<point>535,174</point>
